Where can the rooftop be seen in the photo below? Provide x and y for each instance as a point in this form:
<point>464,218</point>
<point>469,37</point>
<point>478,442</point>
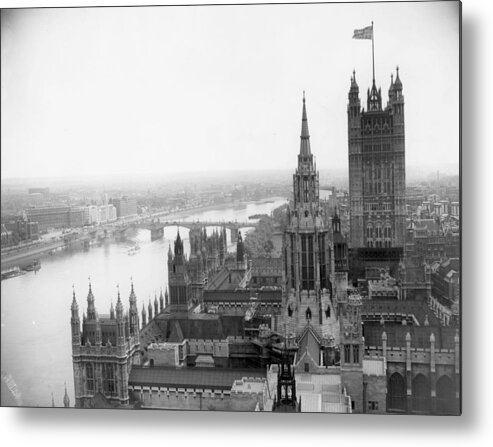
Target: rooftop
<point>202,378</point>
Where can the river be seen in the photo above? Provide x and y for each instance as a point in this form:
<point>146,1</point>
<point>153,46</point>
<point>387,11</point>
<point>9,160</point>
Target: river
<point>35,322</point>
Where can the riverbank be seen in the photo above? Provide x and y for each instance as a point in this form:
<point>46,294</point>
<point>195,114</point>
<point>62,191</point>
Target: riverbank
<point>182,215</point>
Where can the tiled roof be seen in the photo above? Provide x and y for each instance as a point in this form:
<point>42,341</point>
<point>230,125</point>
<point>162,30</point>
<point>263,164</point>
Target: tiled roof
<point>176,328</point>
<point>202,378</point>
<point>309,343</point>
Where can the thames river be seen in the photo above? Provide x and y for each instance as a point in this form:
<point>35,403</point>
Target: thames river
<point>35,322</point>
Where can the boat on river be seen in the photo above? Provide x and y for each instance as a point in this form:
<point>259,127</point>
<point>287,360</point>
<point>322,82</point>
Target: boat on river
<point>33,267</point>
<point>12,273</point>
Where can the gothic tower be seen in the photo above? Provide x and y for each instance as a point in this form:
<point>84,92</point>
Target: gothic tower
<point>240,252</point>
<point>178,279</point>
<point>102,365</point>
<point>352,350</point>
<point>341,263</point>
<point>307,251</point>
<point>377,175</point>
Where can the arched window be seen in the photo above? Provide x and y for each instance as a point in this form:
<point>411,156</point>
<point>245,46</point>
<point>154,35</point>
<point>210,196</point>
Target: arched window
<point>421,394</point>
<point>446,402</point>
<point>369,235</point>
<point>327,312</point>
<point>109,385</point>
<point>90,378</point>
<point>290,311</point>
<point>396,393</point>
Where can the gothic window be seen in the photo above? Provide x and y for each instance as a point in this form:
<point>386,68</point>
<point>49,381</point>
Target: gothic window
<point>305,188</point>
<point>355,353</point>
<point>290,311</point>
<point>396,393</point>
<point>321,251</point>
<point>347,353</point>
<point>308,314</point>
<point>369,235</point>
<point>108,379</point>
<point>378,235</point>
<point>327,312</point>
<point>307,267</point>
<point>445,395</point>
<point>293,257</point>
<point>90,378</point>
<point>421,394</point>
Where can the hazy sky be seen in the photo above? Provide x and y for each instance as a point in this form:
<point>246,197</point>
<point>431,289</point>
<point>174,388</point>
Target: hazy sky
<point>161,89</point>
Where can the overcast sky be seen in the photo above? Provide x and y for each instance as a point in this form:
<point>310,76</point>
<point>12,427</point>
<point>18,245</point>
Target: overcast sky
<point>153,90</point>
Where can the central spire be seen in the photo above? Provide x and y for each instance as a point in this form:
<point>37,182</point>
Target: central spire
<point>305,150</point>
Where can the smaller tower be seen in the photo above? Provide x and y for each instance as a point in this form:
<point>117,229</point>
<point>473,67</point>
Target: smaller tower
<point>161,301</point>
<point>112,311</point>
<point>180,286</point>
<point>91,308</point>
<point>144,316</point>
<point>120,322</point>
<point>156,305</point>
<point>149,310</point>
<point>240,251</point>
<point>133,314</point>
<point>75,322</point>
<point>352,351</point>
<point>66,399</point>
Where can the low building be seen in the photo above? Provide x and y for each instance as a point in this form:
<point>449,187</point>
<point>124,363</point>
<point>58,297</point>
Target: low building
<point>49,217</point>
<point>125,206</point>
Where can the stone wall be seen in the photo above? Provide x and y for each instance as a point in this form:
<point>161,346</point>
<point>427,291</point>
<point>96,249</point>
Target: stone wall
<point>189,399</point>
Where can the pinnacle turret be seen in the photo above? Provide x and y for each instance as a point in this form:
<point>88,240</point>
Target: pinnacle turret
<point>66,399</point>
<point>74,307</point>
<point>144,315</point>
<point>397,83</point>
<point>119,307</point>
<point>354,85</point>
<point>305,150</point>
<point>178,245</point>
<point>91,309</point>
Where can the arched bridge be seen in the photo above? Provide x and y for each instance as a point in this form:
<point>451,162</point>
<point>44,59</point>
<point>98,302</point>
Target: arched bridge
<point>156,226</point>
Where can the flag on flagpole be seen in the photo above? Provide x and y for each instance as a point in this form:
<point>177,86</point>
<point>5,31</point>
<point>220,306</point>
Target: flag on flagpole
<point>363,33</point>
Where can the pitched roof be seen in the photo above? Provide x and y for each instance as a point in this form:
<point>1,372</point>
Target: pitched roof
<point>309,344</point>
<point>208,378</point>
<point>181,326</point>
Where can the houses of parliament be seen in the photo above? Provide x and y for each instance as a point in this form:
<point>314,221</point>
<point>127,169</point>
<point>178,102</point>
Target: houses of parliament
<point>340,323</point>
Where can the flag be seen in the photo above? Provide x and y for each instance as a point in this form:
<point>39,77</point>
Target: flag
<point>363,33</point>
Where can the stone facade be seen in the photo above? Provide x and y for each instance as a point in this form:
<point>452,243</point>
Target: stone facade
<point>377,175</point>
<point>104,351</point>
<point>308,251</point>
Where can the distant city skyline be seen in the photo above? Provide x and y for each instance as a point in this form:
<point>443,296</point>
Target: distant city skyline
<point>151,91</point>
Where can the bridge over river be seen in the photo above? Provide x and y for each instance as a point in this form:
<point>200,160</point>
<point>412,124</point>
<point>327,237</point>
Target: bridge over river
<point>156,227</point>
<point>22,256</point>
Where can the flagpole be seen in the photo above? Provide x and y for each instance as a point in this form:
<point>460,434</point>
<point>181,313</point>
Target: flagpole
<point>373,51</point>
